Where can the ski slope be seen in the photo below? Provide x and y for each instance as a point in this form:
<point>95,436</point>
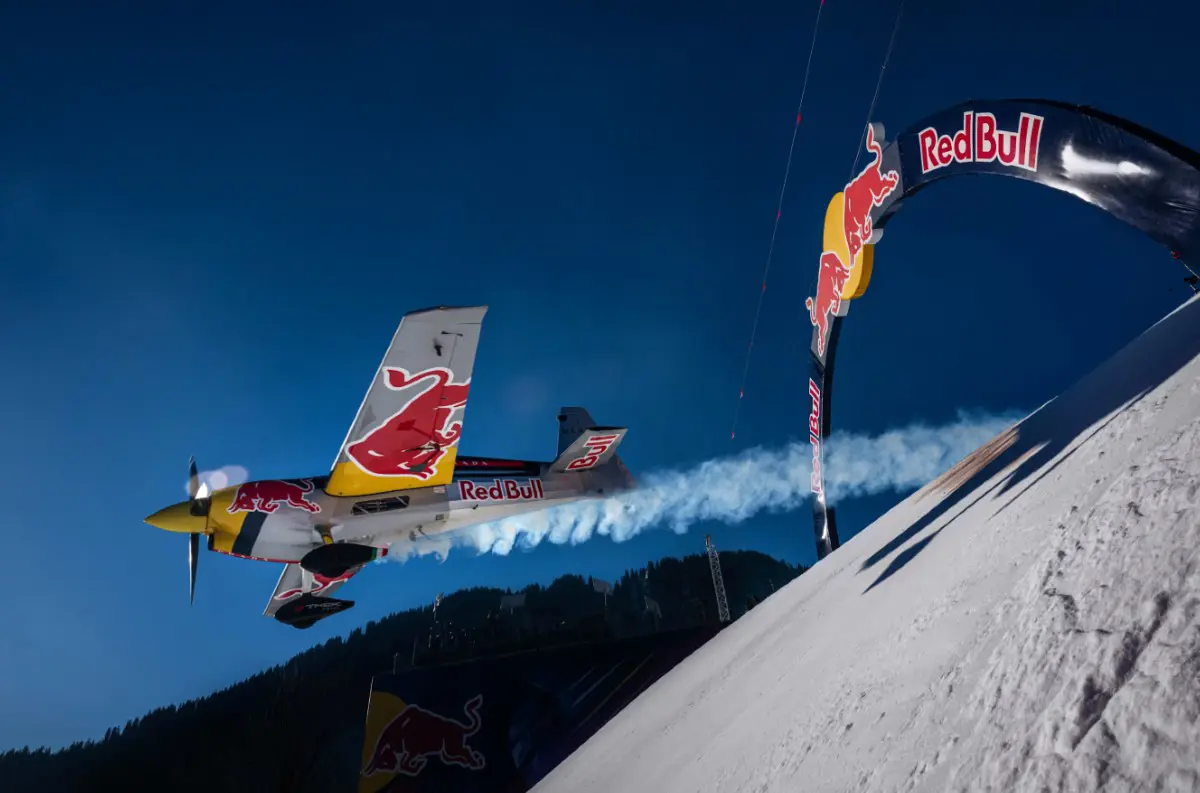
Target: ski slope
<point>1030,621</point>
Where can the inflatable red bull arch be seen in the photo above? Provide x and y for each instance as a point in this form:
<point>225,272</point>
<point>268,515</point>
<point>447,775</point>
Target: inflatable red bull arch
<point>1133,173</point>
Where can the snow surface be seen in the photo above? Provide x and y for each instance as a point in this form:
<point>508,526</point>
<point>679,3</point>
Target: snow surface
<point>1037,628</point>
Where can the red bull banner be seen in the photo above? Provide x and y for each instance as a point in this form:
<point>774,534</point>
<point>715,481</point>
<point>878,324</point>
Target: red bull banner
<point>1140,177</point>
<point>502,724</point>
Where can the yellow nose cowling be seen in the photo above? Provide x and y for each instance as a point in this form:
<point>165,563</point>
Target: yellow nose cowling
<point>177,518</point>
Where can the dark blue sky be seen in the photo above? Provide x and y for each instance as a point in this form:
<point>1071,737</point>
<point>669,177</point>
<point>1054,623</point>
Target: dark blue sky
<point>212,219</point>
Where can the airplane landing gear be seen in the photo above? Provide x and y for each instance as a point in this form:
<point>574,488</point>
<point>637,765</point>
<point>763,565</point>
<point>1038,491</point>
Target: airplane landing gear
<point>337,558</point>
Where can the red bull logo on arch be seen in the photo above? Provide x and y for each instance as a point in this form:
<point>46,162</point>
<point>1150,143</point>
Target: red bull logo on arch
<point>863,194</point>
<point>816,481</point>
<point>848,239</point>
<point>1137,175</point>
<point>981,140</point>
<point>831,282</point>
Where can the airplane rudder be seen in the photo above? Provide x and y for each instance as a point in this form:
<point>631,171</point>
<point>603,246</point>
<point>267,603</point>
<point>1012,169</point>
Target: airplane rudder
<point>572,422</point>
<point>620,475</point>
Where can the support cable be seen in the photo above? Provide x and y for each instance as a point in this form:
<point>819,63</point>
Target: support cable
<point>878,84</point>
<point>887,57</point>
<point>778,214</point>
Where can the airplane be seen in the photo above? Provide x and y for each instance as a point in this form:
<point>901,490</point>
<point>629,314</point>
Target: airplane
<point>397,478</point>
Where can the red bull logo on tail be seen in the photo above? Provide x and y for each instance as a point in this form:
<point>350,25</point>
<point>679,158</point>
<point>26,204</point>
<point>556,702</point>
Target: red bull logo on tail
<point>407,743</point>
<point>413,440</point>
<point>269,494</point>
<point>981,140</point>
<point>596,446</point>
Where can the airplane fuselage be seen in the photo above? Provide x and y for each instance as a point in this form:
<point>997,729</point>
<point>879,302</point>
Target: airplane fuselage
<point>282,520</point>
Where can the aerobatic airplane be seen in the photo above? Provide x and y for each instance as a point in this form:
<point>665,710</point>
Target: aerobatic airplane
<point>397,478</point>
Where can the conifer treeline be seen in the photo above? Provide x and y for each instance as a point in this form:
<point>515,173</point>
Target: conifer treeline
<point>282,729</point>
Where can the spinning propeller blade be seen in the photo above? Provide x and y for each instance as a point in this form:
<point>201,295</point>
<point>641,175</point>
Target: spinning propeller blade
<point>193,560</point>
<point>198,505</point>
<point>193,478</point>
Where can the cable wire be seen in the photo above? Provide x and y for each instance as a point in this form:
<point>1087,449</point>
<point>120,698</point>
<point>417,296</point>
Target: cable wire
<point>812,284</point>
<point>778,214</point>
<point>878,84</point>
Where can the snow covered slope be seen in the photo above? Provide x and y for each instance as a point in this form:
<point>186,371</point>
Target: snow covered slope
<point>1030,621</point>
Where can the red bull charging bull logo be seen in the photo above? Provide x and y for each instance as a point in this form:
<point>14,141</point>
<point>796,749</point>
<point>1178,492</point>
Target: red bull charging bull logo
<point>320,584</point>
<point>413,440</point>
<point>831,280</point>
<point>269,494</point>
<point>864,193</point>
<point>407,743</point>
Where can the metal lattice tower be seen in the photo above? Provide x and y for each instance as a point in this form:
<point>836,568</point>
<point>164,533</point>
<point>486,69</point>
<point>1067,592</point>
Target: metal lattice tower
<point>714,563</point>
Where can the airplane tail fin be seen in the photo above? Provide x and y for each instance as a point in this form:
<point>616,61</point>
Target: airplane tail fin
<point>585,447</point>
<point>572,422</point>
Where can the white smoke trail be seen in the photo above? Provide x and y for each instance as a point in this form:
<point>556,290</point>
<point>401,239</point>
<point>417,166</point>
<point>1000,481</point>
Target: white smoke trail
<point>732,489</point>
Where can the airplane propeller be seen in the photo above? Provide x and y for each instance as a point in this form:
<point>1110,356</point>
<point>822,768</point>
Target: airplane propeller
<point>193,559</point>
<point>199,502</point>
<point>198,505</point>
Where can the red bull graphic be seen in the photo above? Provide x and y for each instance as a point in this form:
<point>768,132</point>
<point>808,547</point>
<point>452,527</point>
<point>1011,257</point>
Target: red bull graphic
<point>864,193</point>
<point>816,483</point>
<point>414,439</point>
<point>1136,175</point>
<point>981,140</point>
<point>501,490</point>
<point>408,742</point>
<point>320,583</point>
<point>596,446</point>
<point>269,494</point>
<point>831,280</point>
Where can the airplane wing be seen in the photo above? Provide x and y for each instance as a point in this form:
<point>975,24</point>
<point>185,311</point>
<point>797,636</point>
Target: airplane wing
<point>407,429</point>
<point>291,586</point>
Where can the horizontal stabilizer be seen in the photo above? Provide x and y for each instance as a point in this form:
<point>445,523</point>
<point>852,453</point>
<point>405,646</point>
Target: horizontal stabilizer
<point>594,447</point>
